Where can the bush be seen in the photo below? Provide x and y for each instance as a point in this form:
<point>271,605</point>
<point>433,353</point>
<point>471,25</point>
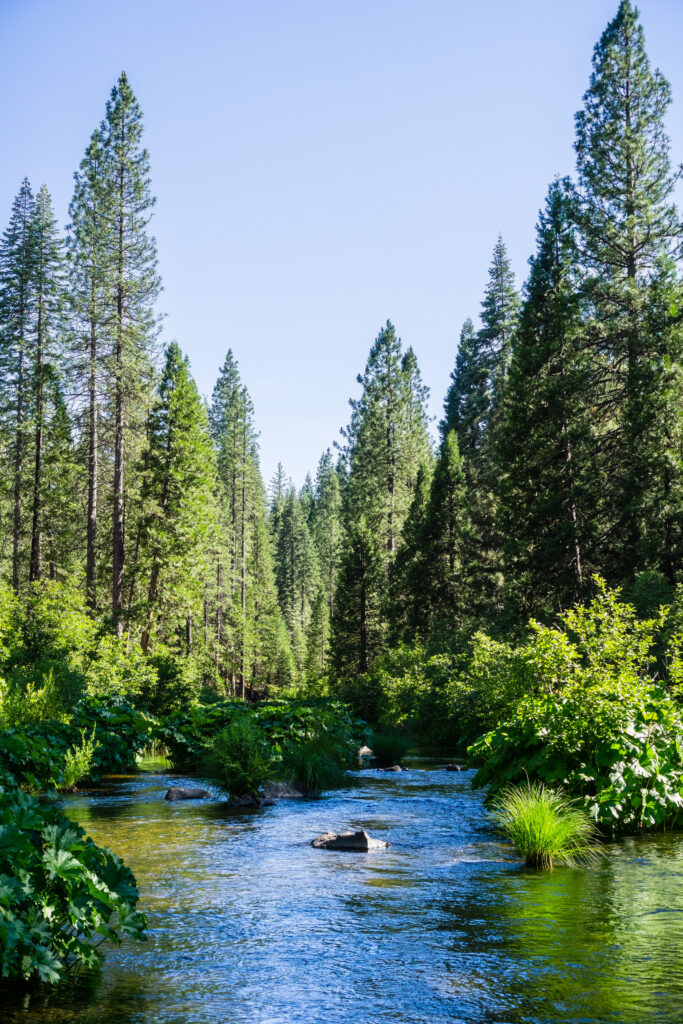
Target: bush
<point>597,724</point>
<point>389,747</point>
<point>58,893</point>
<point>238,759</point>
<point>545,826</point>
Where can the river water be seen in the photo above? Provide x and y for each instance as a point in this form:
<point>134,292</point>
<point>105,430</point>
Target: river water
<point>251,925</point>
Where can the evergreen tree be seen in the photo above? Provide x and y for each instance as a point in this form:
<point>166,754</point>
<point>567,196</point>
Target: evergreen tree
<point>92,282</point>
<point>132,252</point>
<point>386,440</point>
<point>178,508</point>
<point>297,573</point>
<point>17,279</point>
<point>630,233</point>
<point>550,486</point>
<point>45,356</point>
<point>357,623</point>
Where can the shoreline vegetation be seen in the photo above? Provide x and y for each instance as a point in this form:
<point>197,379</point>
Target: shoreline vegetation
<point>515,593</point>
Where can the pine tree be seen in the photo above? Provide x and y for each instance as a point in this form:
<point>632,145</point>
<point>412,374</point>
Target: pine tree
<point>91,293</point>
<point>550,487</point>
<point>132,252</point>
<point>386,440</point>
<point>358,630</point>
<point>297,573</point>
<point>178,514</point>
<point>630,233</point>
<point>45,355</point>
<point>17,279</point>
<point>248,620</point>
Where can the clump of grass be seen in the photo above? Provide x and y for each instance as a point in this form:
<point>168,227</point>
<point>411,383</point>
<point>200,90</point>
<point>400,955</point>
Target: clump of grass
<point>238,759</point>
<point>389,747</point>
<point>315,764</point>
<point>545,826</point>
<point>78,760</point>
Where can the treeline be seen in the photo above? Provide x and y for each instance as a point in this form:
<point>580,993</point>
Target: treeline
<point>560,445</point>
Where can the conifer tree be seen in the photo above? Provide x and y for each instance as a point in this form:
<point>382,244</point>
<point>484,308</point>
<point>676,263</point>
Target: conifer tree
<point>132,251</point>
<point>178,508</point>
<point>327,527</point>
<point>45,356</point>
<point>358,630</point>
<point>297,573</point>
<point>92,282</point>
<point>17,278</point>
<point>630,233</point>
<point>550,484</point>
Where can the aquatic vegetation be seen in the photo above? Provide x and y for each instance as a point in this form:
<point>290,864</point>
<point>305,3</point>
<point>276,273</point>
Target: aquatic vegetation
<point>59,893</point>
<point>316,763</point>
<point>545,826</point>
<point>389,747</point>
<point>238,758</point>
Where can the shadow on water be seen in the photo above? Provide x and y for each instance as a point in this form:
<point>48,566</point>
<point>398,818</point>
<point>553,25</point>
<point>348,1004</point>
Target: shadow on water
<point>248,923</point>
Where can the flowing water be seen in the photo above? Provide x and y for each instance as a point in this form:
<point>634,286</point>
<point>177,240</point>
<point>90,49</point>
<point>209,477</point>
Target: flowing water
<point>250,924</point>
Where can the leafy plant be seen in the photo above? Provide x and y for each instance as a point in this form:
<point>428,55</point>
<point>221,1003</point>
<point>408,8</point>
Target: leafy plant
<point>238,759</point>
<point>545,826</point>
<point>59,893</point>
<point>78,760</point>
<point>597,724</point>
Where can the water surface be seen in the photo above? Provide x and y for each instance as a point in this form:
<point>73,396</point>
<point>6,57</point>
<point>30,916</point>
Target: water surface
<point>250,925</point>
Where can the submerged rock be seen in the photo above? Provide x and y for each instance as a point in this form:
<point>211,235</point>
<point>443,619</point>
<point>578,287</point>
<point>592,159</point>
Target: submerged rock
<point>187,793</point>
<point>245,800</point>
<point>394,768</point>
<point>454,768</point>
<point>358,842</point>
<point>274,791</point>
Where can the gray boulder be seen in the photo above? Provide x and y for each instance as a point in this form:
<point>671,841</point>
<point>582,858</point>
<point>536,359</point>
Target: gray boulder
<point>187,793</point>
<point>454,768</point>
<point>394,768</point>
<point>358,842</point>
<point>274,791</point>
<point>243,801</point>
<point>365,752</point>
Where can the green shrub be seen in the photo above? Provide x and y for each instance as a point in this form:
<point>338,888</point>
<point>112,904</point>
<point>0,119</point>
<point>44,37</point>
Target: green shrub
<point>596,722</point>
<point>79,760</point>
<point>389,747</point>
<point>238,759</point>
<point>545,826</point>
<point>59,892</point>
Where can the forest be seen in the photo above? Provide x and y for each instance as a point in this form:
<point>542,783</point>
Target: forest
<point>506,583</point>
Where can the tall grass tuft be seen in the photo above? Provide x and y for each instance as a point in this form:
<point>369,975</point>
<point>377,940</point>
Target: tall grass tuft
<point>238,758</point>
<point>545,826</point>
<point>316,764</point>
<point>389,747</point>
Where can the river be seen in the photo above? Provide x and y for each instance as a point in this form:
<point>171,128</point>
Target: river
<point>251,925</point>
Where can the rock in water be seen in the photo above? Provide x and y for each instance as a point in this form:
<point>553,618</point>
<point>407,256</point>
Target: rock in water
<point>275,791</point>
<point>453,768</point>
<point>359,842</point>
<point>394,768</point>
<point>245,800</point>
<point>186,793</point>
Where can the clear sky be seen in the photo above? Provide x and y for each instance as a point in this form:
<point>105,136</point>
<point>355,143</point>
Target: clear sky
<point>320,166</point>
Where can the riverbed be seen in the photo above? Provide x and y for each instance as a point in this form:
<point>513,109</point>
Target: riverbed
<point>248,924</point>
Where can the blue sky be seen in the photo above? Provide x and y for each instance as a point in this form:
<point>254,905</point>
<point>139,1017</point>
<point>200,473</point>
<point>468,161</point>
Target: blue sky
<point>320,166</point>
